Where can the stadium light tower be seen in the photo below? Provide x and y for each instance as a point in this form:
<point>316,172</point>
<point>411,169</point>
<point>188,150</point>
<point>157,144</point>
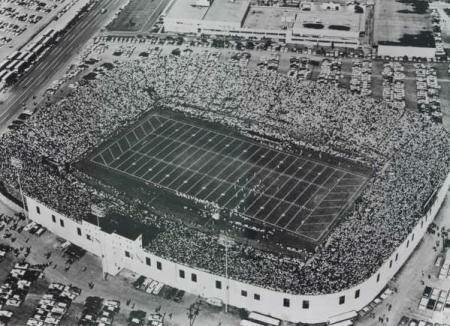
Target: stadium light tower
<point>99,212</point>
<point>226,242</point>
<point>17,163</point>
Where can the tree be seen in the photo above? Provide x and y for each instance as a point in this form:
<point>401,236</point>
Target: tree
<point>176,51</point>
<point>359,9</point>
<point>193,312</point>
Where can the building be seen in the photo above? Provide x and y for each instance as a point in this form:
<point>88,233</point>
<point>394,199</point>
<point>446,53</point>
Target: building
<point>324,24</point>
<point>120,244</point>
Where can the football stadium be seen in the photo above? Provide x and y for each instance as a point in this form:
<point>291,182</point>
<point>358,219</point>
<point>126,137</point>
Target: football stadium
<point>240,185</point>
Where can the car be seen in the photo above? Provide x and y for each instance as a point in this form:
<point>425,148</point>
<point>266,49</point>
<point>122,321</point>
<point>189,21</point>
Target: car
<point>22,265</point>
<point>13,302</point>
<point>34,322</point>
<point>65,244</point>
<point>18,122</point>
<point>106,320</point>
<point>40,231</point>
<point>23,116</point>
<point>29,226</point>
<point>51,320</point>
<point>6,313</point>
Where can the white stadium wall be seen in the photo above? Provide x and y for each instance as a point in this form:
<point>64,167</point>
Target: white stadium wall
<point>66,229</point>
<point>118,252</point>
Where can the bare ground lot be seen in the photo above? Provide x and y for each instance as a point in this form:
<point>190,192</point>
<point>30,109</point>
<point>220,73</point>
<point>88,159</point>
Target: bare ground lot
<point>391,25</point>
<point>135,15</point>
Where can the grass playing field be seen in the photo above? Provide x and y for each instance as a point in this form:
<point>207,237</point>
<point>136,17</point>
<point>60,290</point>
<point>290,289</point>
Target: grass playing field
<point>293,193</point>
<point>136,15</point>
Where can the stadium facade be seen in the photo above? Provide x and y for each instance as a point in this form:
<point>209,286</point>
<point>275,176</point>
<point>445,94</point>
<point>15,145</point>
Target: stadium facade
<point>321,24</point>
<point>125,250</point>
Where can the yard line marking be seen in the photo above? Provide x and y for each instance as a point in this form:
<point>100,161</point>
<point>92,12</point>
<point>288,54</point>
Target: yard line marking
<point>232,161</point>
<point>276,150</point>
<point>189,157</point>
<point>260,170</point>
<point>162,151</point>
<point>304,206</point>
<point>211,159</point>
<point>134,150</point>
<point>124,137</point>
<point>176,148</point>
<point>268,171</point>
<point>321,201</point>
<point>284,198</point>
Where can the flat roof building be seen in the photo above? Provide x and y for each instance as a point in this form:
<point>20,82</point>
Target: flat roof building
<point>187,16</point>
<point>311,23</point>
<point>228,14</point>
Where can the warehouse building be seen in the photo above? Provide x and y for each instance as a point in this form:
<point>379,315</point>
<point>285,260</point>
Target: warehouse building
<point>322,24</point>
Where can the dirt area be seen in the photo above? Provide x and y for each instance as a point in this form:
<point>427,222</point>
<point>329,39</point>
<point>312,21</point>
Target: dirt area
<point>395,19</point>
<point>136,15</point>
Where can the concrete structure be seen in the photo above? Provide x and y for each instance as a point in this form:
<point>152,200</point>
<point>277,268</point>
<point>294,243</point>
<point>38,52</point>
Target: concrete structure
<point>323,24</point>
<point>124,247</point>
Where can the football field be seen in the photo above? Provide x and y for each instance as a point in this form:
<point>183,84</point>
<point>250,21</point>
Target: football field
<point>292,193</point>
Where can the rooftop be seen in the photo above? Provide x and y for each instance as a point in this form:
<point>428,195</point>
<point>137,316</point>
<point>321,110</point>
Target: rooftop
<point>269,18</point>
<point>345,16</point>
<point>229,11</point>
<point>186,10</point>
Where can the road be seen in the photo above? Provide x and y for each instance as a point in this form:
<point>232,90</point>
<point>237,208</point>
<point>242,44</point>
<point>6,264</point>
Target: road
<point>56,58</point>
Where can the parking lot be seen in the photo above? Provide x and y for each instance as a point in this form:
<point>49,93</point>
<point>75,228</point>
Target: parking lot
<point>19,20</point>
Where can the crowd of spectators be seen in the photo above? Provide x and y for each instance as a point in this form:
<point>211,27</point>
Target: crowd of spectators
<point>408,153</point>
